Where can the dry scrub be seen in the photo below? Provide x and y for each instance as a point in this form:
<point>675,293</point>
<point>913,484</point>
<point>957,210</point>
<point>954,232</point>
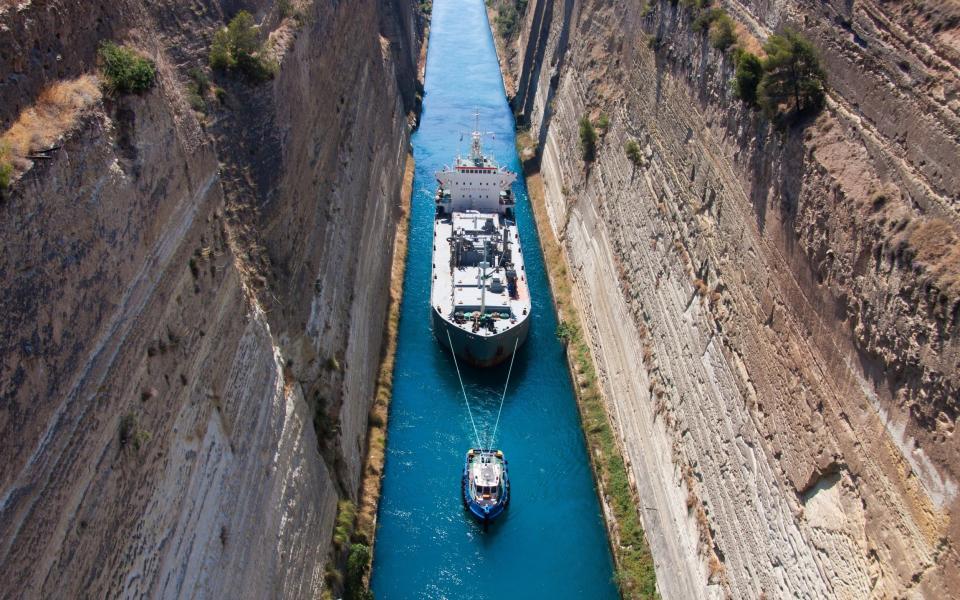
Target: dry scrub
<point>937,249</point>
<point>366,518</point>
<point>41,127</point>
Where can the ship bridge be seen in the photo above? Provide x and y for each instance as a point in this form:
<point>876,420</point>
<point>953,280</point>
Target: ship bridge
<point>475,182</point>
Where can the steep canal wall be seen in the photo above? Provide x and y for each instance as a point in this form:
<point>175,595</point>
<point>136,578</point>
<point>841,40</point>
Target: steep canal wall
<point>774,311</point>
<point>195,282</point>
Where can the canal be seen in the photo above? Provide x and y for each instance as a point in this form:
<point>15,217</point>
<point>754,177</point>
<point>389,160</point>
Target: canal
<point>551,542</point>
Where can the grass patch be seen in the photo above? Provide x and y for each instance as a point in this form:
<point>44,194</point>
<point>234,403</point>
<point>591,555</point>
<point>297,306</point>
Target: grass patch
<point>346,512</point>
<point>124,70</point>
<point>509,15</point>
<point>635,573</point>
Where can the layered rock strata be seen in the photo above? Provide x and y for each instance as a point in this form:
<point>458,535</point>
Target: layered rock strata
<point>774,311</point>
<point>191,299</point>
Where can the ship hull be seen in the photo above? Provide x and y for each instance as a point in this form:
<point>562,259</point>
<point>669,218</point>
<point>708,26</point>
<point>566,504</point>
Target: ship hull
<point>480,350</point>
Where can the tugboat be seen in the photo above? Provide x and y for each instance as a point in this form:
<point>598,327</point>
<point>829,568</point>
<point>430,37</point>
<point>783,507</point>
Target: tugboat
<point>479,297</point>
<point>486,486</point>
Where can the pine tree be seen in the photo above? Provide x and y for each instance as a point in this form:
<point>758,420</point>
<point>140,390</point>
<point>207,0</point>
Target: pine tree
<point>792,75</point>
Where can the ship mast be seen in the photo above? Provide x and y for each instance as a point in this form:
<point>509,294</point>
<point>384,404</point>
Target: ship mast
<point>476,150</point>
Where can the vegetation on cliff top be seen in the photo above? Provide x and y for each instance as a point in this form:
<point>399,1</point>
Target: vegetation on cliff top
<point>237,48</point>
<point>787,83</point>
<point>125,71</point>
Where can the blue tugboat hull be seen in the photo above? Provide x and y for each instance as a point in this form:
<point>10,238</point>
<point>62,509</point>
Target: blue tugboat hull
<point>484,513</point>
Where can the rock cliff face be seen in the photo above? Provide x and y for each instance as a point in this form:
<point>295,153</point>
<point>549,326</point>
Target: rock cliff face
<point>190,299</point>
<point>788,391</point>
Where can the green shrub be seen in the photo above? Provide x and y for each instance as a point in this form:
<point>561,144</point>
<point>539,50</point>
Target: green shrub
<point>722,32</point>
<point>426,6</point>
<point>507,21</point>
<point>125,71</point>
<point>128,428</point>
<point>357,563</point>
<point>237,47</point>
<point>6,174</point>
<point>588,140</point>
<point>6,169</point>
<point>792,76</point>
<point>633,153</point>
<point>285,8</point>
<point>706,18</point>
<point>198,87</point>
<point>564,332</point>
<point>346,512</point>
<point>603,123</point>
<point>748,76</point>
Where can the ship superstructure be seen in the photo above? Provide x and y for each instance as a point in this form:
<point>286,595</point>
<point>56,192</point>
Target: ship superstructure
<point>480,300</point>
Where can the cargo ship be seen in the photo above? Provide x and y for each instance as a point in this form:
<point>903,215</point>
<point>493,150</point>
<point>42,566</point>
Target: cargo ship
<point>480,300</point>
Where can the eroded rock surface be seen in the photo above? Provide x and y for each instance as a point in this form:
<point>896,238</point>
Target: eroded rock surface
<point>190,299</point>
<point>775,312</point>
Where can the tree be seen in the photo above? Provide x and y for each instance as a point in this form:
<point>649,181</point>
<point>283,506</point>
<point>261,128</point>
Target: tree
<point>588,139</point>
<point>237,47</point>
<point>748,76</point>
<point>792,75</point>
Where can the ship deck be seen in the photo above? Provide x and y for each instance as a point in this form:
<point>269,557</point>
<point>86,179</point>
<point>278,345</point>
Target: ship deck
<point>461,290</point>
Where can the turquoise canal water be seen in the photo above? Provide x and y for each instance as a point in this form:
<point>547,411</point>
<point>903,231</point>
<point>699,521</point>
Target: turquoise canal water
<point>551,542</point>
